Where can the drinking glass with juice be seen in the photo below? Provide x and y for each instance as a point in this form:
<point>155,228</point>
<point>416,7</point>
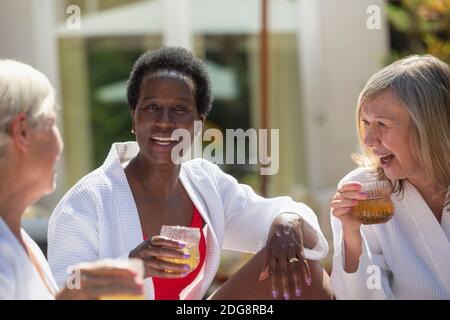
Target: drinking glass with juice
<point>378,207</point>
<point>190,237</point>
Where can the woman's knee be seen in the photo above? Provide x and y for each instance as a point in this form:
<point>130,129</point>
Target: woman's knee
<point>320,288</point>
<point>245,284</point>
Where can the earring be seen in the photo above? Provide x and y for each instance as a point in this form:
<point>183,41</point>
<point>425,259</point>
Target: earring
<point>132,131</point>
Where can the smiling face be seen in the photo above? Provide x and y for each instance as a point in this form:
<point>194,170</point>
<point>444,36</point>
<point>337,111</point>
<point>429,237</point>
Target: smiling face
<point>164,105</point>
<point>386,131</point>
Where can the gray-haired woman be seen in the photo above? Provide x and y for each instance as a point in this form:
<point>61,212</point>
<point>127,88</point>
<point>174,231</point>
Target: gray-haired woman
<point>30,145</point>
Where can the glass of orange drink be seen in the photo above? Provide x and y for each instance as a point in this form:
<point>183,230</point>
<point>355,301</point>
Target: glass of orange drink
<point>190,237</point>
<point>378,207</point>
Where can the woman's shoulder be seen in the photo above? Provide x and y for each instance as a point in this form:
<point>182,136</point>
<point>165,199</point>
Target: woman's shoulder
<point>8,267</point>
<point>201,166</point>
<point>210,174</point>
<point>359,174</point>
<point>8,252</point>
<point>11,261</point>
<point>86,196</point>
<point>93,184</point>
<point>9,245</point>
<point>110,175</point>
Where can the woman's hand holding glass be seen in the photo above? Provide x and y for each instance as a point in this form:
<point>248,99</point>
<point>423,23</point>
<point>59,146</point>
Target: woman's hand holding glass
<point>367,203</point>
<point>347,196</point>
<point>119,279</point>
<point>190,237</point>
<point>157,249</point>
<point>355,204</point>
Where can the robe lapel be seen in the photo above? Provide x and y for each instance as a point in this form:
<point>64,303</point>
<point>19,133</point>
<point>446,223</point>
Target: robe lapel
<point>212,245</point>
<point>125,207</point>
<point>430,232</point>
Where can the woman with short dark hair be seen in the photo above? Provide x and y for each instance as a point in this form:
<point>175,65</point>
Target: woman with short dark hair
<point>119,209</point>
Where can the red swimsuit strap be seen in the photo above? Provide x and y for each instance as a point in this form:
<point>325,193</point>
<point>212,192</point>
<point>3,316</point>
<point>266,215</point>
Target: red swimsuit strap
<point>169,289</point>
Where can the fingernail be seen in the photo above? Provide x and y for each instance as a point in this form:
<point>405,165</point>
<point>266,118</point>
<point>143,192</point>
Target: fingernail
<point>133,273</point>
<point>186,255</point>
<point>286,296</point>
<point>298,292</point>
<point>274,294</point>
<point>181,245</point>
<point>186,267</point>
<point>263,276</point>
<point>184,274</point>
<point>308,281</point>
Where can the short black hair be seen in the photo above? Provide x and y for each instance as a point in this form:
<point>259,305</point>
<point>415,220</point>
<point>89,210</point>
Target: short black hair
<point>176,59</point>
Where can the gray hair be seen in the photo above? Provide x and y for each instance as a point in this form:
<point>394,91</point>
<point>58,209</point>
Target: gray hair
<point>23,89</point>
<point>422,83</point>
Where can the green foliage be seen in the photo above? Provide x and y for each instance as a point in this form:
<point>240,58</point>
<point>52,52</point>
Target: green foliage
<point>110,121</point>
<point>419,27</point>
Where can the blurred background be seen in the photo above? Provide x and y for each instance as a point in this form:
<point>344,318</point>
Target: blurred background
<point>302,76</point>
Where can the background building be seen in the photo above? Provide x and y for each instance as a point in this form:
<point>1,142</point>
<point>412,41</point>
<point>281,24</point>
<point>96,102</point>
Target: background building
<point>321,53</point>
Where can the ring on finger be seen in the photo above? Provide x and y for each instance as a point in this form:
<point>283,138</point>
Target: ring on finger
<point>292,260</point>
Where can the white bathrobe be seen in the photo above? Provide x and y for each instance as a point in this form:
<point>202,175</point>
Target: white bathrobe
<point>98,218</point>
<point>19,279</point>
<point>411,252</point>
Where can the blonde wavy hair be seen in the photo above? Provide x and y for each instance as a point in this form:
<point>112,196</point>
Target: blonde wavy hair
<point>22,89</point>
<point>422,83</point>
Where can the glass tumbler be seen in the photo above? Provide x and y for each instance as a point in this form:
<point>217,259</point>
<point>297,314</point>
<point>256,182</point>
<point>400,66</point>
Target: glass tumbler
<point>190,237</point>
<point>378,207</point>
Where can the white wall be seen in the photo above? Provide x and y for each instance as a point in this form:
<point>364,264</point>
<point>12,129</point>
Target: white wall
<point>337,53</point>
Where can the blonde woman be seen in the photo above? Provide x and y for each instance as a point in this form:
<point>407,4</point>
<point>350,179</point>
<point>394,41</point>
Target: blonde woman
<point>30,144</point>
<point>403,123</point>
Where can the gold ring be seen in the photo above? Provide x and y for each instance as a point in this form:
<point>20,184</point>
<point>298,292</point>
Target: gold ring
<point>293,260</point>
